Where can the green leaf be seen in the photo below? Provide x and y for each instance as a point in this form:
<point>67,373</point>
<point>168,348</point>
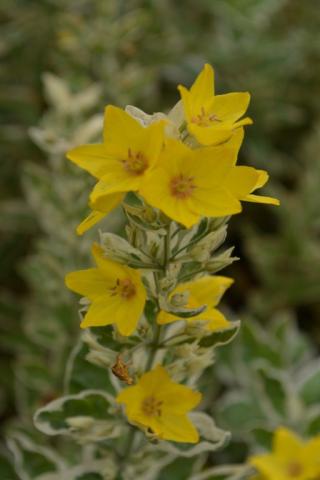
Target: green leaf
<point>177,470</point>
<point>274,388</point>
<point>263,437</point>
<point>87,416</point>
<point>220,337</point>
<point>255,347</point>
<point>81,373</point>
<point>239,412</point>
<point>31,459</point>
<point>309,388</point>
<point>7,470</point>
<point>90,476</point>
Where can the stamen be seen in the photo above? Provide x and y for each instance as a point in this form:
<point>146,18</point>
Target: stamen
<point>182,186</point>
<point>204,119</point>
<point>135,163</point>
<point>152,407</point>
<point>294,469</point>
<point>124,288</point>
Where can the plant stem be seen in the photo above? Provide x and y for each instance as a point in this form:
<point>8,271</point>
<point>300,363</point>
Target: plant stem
<point>167,248</point>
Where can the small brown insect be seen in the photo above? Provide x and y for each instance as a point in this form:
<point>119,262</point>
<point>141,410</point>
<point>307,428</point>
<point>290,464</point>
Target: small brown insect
<point>120,370</point>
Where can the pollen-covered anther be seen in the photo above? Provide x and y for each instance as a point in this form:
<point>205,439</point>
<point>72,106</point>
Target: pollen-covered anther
<point>125,288</point>
<point>203,119</point>
<point>135,163</point>
<point>182,186</point>
<point>151,406</point>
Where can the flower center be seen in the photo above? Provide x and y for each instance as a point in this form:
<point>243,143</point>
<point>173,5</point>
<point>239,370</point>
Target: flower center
<point>152,407</point>
<point>204,119</point>
<point>294,469</point>
<point>135,163</point>
<point>182,186</point>
<point>125,288</point>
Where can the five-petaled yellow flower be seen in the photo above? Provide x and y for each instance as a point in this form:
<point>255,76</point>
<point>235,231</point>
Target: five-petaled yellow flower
<point>188,184</point>
<point>208,291</point>
<point>116,293</point>
<point>291,458</point>
<point>120,163</point>
<point>211,118</point>
<point>161,406</point>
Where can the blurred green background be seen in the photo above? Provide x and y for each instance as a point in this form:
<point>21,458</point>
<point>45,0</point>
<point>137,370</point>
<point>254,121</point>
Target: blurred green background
<point>62,62</point>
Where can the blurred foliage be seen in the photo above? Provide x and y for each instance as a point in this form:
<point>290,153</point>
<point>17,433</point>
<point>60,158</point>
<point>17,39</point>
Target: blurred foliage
<point>135,52</point>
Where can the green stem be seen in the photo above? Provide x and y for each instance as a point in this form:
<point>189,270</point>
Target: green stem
<point>167,248</point>
<point>154,347</point>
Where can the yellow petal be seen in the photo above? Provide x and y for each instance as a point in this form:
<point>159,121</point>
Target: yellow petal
<point>286,445</point>
<point>177,428</point>
<point>106,205</point>
<point>213,135</point>
<point>207,290</point>
<point>89,283</point>
<point>267,465</point>
<point>200,93</point>
<point>262,199</point>
<point>178,399</point>
<point>102,200</point>
<point>217,203</point>
<point>129,315</point>
<point>151,380</point>
<point>262,179</point>
<point>216,321</point>
<point>101,312</point>
<point>93,218</point>
<point>231,106</point>
<point>111,270</point>
<point>112,309</point>
<point>241,181</point>
<point>235,142</point>
<point>310,453</point>
<point>120,128</point>
<point>132,396</point>
<point>243,122</point>
<point>92,158</point>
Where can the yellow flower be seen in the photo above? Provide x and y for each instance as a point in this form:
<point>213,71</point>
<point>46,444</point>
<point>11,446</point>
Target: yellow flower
<point>161,405</point>
<point>207,291</point>
<point>291,458</point>
<point>129,150</point>
<point>187,184</point>
<point>116,293</point>
<point>211,118</point>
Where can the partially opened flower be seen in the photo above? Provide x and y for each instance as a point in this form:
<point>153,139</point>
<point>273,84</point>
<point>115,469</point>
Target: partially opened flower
<point>291,458</point>
<point>207,291</point>
<point>115,291</point>
<point>189,184</point>
<point>211,118</point>
<point>121,162</point>
<point>161,405</point>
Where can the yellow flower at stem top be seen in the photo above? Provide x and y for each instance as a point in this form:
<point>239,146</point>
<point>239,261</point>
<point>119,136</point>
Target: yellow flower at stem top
<point>291,458</point>
<point>208,291</point>
<point>120,163</point>
<point>211,118</point>
<point>161,406</point>
<point>188,184</point>
<point>116,293</point>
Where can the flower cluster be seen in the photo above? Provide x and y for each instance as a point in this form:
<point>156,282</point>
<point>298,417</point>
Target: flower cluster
<point>175,176</point>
